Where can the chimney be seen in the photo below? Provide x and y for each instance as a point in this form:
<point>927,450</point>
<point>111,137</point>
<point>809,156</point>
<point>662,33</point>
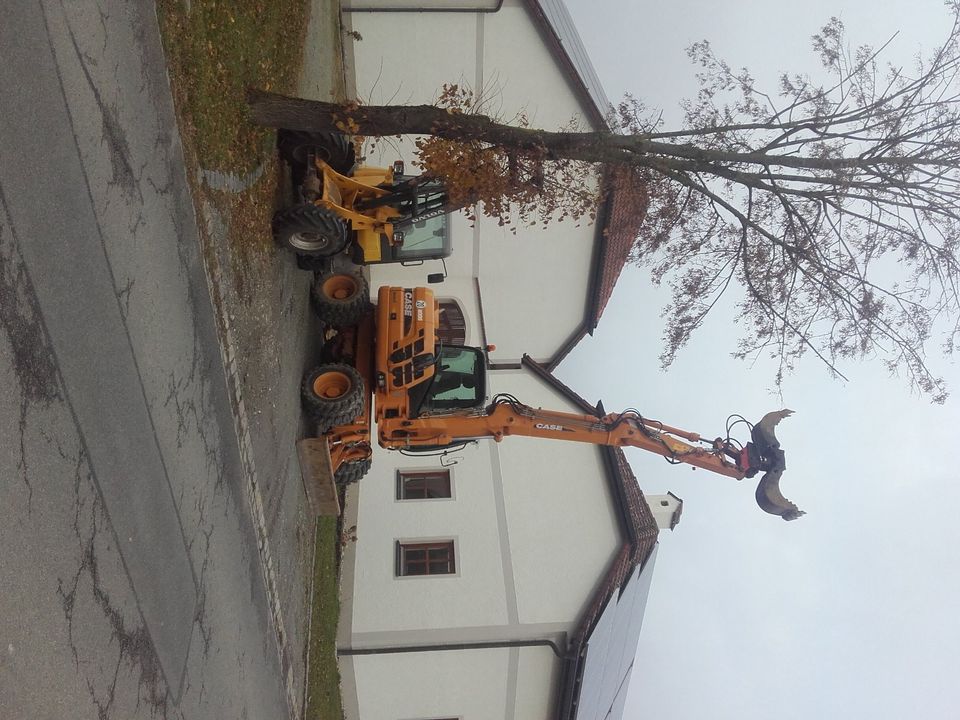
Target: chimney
<point>666,509</point>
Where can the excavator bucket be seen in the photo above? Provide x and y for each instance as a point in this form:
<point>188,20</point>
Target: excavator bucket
<point>769,497</point>
<point>316,469</point>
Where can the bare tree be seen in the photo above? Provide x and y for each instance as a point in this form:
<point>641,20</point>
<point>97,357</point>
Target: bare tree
<point>834,206</point>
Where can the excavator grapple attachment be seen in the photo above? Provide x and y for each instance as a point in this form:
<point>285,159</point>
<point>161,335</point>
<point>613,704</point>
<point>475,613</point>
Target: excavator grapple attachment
<point>774,461</point>
<point>771,500</point>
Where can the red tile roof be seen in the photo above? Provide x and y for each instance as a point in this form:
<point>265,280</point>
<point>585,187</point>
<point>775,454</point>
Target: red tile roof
<point>622,210</point>
<point>626,203</point>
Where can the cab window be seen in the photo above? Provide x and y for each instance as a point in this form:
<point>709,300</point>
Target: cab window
<point>425,239</point>
<point>458,382</point>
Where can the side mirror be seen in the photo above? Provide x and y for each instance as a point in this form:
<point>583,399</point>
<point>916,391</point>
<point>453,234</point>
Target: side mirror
<point>434,278</point>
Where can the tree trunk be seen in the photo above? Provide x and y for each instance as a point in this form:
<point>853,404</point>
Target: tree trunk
<point>280,111</point>
<point>274,110</point>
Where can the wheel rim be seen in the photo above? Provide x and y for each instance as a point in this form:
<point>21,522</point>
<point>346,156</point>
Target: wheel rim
<point>331,385</point>
<point>301,153</point>
<point>340,287</point>
<point>309,241</point>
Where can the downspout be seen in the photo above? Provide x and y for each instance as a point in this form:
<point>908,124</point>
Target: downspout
<point>425,9</point>
<point>493,645</point>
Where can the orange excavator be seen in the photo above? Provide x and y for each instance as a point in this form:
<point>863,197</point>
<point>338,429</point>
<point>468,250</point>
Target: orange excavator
<point>430,397</point>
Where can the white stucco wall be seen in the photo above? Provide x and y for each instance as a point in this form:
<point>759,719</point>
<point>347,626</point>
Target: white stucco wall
<point>535,530</point>
<point>538,675</point>
<point>533,521</point>
<point>534,289</point>
<point>559,510</point>
<point>494,684</point>
<point>472,685</point>
<point>533,274</point>
<point>534,527</point>
<point>384,602</point>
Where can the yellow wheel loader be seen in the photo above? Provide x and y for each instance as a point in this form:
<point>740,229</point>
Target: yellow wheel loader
<point>372,215</point>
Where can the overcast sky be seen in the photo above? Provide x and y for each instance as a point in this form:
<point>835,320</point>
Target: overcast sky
<point>852,610</point>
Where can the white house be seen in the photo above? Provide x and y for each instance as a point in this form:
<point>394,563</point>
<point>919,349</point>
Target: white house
<point>506,582</point>
<point>503,580</point>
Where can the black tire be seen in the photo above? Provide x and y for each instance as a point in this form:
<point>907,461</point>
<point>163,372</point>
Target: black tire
<point>313,263</point>
<point>351,471</point>
<point>340,299</point>
<point>310,230</point>
<point>335,149</point>
<point>333,394</point>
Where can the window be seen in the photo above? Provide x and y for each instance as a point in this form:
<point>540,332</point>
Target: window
<point>453,327</point>
<point>425,238</point>
<point>423,484</point>
<point>431,558</point>
<point>458,382</point>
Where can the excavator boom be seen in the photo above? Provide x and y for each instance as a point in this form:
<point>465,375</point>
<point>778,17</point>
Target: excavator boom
<point>507,416</point>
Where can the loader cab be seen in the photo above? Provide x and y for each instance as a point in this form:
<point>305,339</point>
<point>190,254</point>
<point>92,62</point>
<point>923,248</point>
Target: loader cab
<point>458,384</point>
<point>417,212</point>
<point>413,243</point>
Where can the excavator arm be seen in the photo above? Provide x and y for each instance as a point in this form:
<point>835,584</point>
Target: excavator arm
<point>507,416</point>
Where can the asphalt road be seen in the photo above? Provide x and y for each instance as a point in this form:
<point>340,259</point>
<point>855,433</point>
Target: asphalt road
<point>130,570</point>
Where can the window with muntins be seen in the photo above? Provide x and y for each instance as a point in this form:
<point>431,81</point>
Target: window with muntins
<point>453,327</point>
<point>431,558</point>
<point>423,484</point>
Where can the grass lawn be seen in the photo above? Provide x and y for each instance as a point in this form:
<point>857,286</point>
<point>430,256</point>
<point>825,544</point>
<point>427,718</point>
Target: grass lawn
<point>215,51</point>
<point>323,682</point>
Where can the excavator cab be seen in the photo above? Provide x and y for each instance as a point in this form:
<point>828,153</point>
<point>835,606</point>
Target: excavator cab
<point>458,383</point>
